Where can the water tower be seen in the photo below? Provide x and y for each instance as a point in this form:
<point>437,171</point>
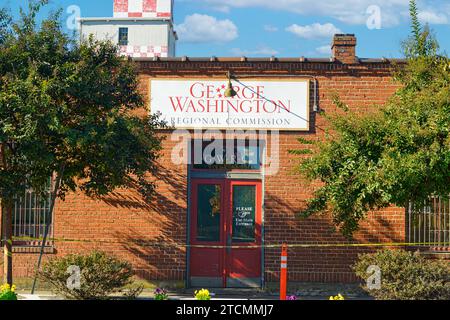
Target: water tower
<point>141,28</point>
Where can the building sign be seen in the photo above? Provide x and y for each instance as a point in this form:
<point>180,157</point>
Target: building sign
<point>265,104</point>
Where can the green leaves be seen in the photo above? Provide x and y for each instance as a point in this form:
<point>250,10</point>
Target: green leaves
<point>421,43</point>
<point>397,154</point>
<point>65,104</point>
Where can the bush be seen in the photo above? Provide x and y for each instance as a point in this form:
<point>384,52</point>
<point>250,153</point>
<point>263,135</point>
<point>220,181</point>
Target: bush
<point>406,276</point>
<point>8,292</point>
<point>100,275</point>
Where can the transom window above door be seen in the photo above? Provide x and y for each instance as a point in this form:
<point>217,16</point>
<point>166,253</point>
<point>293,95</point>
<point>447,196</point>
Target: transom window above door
<point>226,154</point>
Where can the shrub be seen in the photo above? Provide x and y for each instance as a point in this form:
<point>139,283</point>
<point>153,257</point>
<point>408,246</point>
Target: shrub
<point>406,276</point>
<point>8,292</point>
<point>100,275</point>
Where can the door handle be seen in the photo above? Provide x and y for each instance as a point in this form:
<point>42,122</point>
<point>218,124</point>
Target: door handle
<point>228,243</point>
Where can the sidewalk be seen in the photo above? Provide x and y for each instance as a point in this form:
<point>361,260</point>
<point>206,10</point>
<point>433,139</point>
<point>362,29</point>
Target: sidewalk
<point>304,291</point>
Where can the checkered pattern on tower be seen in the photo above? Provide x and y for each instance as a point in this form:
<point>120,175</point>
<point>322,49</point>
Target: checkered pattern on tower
<point>143,8</point>
<point>144,51</point>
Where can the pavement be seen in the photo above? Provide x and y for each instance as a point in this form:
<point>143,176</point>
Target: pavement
<point>305,291</point>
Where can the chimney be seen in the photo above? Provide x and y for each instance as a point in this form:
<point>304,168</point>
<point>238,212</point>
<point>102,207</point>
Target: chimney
<point>344,48</point>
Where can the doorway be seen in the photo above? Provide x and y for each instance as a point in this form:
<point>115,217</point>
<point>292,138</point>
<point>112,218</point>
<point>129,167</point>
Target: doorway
<point>225,233</point>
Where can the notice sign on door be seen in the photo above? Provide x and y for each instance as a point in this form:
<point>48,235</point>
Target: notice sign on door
<point>266,104</point>
<point>244,213</point>
<point>243,224</point>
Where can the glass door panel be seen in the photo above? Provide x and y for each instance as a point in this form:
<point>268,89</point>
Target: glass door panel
<point>244,257</point>
<point>208,212</point>
<point>207,233</point>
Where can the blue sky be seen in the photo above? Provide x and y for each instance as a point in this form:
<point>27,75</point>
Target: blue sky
<point>285,28</point>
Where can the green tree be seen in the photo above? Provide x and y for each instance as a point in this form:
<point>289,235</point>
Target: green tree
<point>398,154</point>
<point>67,111</point>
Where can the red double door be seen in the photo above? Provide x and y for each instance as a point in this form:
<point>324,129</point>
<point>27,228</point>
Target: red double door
<point>225,234</point>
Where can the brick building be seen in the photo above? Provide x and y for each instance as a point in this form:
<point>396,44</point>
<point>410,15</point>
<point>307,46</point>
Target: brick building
<point>201,208</point>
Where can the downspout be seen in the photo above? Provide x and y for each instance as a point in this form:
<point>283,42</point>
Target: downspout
<point>188,222</point>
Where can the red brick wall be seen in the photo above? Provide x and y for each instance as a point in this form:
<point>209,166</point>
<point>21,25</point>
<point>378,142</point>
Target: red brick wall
<point>152,235</point>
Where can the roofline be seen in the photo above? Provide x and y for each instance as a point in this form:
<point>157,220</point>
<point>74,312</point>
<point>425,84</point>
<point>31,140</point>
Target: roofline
<point>107,19</point>
<point>268,59</point>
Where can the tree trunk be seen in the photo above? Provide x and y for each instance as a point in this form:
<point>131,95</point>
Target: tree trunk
<point>6,219</point>
<point>54,194</point>
<point>7,244</point>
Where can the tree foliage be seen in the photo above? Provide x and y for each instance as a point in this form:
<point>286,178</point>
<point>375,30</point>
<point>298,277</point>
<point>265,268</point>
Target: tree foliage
<point>69,106</point>
<point>421,43</point>
<point>397,154</point>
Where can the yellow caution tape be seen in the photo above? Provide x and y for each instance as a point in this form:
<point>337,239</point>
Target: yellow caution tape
<point>150,243</point>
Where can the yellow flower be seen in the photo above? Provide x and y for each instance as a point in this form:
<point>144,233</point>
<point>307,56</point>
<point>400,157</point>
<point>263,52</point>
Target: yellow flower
<point>202,294</point>
<point>5,287</point>
<point>338,297</point>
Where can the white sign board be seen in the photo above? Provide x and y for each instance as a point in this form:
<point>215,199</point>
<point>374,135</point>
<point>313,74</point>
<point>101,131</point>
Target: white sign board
<point>265,104</point>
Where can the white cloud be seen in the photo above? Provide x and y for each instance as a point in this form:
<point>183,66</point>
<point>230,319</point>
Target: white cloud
<point>270,28</point>
<point>198,28</point>
<point>221,8</point>
<point>352,12</point>
<point>314,31</point>
<point>324,50</point>
<point>433,17</point>
<point>261,51</point>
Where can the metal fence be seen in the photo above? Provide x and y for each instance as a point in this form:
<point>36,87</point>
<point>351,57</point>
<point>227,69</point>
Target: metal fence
<point>430,225</point>
<point>31,213</point>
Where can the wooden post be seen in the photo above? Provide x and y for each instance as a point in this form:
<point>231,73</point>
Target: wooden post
<point>7,244</point>
<point>283,272</point>
<point>6,207</point>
